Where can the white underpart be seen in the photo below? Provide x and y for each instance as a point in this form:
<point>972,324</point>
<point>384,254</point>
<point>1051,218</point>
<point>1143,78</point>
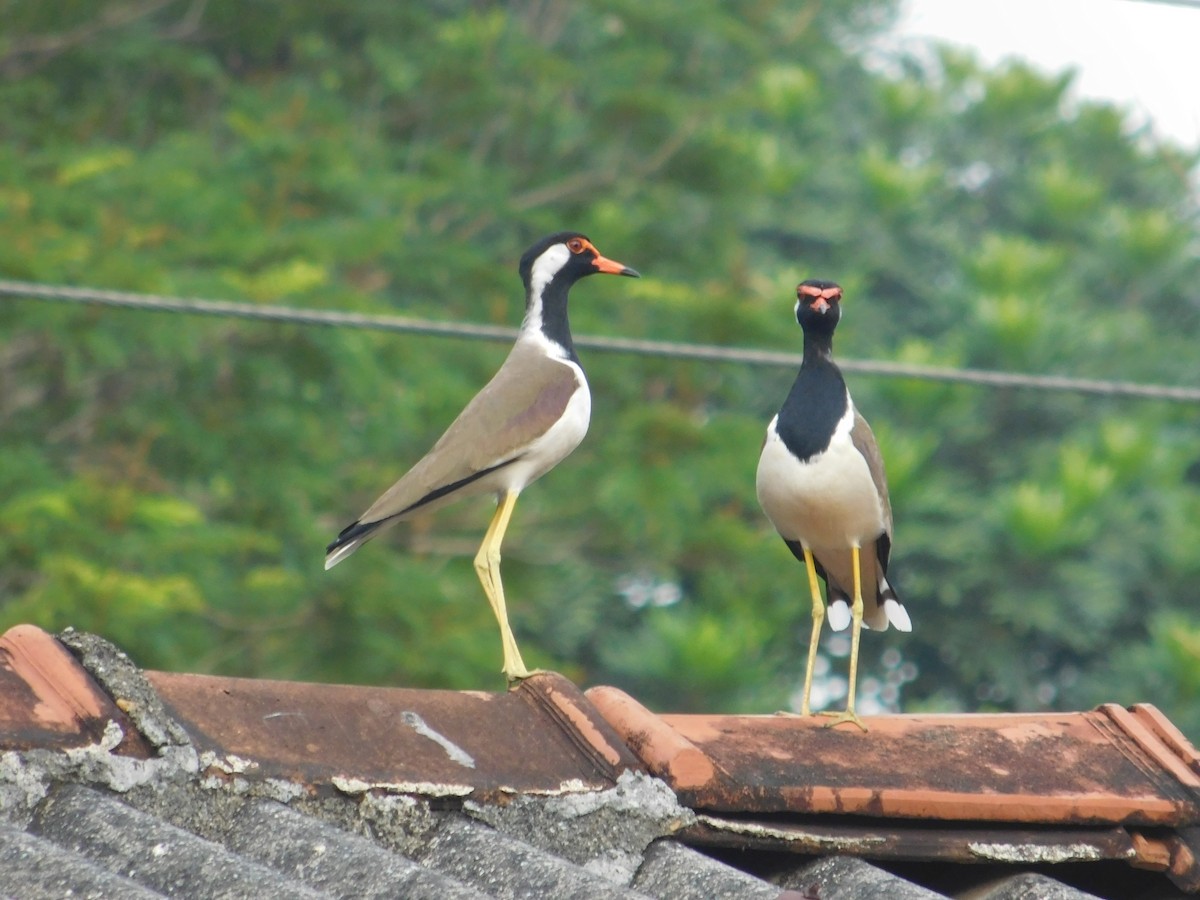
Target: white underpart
<point>545,267</point>
<point>828,502</point>
<point>562,437</point>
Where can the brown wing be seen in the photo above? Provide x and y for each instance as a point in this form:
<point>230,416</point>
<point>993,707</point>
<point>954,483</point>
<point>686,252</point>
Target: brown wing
<point>522,401</point>
<point>864,441</point>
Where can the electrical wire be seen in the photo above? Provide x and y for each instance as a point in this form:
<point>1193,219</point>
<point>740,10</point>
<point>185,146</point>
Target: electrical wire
<point>661,349</point>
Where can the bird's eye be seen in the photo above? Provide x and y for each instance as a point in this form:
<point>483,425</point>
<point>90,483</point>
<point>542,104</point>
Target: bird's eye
<point>575,245</point>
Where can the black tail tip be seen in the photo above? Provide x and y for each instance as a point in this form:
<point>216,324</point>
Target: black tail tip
<point>351,532</point>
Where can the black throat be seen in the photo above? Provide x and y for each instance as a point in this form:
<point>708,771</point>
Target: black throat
<point>555,324</point>
<point>816,402</point>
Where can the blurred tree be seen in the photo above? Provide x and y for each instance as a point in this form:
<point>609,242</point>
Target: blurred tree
<point>170,482</point>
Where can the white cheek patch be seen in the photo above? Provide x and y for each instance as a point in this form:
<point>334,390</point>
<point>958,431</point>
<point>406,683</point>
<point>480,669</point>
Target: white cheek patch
<point>546,266</point>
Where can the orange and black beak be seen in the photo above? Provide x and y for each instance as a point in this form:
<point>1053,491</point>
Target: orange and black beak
<point>610,266</point>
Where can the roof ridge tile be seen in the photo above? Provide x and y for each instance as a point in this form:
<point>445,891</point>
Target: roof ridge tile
<point>550,785</point>
<point>48,699</point>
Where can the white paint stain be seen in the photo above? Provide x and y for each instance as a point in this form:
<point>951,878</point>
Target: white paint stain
<point>455,752</point>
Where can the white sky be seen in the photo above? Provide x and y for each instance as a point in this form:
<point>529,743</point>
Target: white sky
<point>1144,56</point>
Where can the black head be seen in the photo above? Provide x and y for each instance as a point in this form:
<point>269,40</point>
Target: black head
<point>564,258</point>
<point>818,305</point>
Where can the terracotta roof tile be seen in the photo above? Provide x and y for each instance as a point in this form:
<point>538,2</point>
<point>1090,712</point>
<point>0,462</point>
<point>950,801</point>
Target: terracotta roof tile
<point>111,777</point>
<point>48,700</point>
<point>1097,767</point>
<point>542,738</point>
<point>961,788</point>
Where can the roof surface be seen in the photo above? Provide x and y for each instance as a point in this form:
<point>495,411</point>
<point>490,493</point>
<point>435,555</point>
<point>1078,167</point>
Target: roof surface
<point>118,782</point>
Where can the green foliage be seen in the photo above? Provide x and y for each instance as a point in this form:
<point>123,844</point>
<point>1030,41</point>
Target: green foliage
<point>170,481</point>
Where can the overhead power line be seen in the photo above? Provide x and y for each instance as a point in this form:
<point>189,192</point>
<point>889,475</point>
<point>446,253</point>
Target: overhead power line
<point>662,349</point>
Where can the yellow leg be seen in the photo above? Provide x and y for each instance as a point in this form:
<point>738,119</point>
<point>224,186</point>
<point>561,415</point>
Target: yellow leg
<point>856,617</point>
<point>818,616</point>
<point>487,566</point>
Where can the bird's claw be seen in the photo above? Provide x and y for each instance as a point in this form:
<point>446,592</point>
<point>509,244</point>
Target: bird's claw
<point>515,677</point>
<point>838,718</point>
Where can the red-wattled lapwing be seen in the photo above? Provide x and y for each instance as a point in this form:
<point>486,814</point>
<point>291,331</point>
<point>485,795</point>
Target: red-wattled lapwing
<point>821,483</point>
<point>533,412</point>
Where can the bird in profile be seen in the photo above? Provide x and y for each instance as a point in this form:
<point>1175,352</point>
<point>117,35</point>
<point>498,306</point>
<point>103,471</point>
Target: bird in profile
<point>528,418</point>
<point>821,483</point>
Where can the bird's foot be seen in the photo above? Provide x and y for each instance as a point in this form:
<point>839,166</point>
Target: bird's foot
<point>847,715</point>
<point>516,676</point>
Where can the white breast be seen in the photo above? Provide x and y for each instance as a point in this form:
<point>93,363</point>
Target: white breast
<point>828,502</point>
<point>557,443</point>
